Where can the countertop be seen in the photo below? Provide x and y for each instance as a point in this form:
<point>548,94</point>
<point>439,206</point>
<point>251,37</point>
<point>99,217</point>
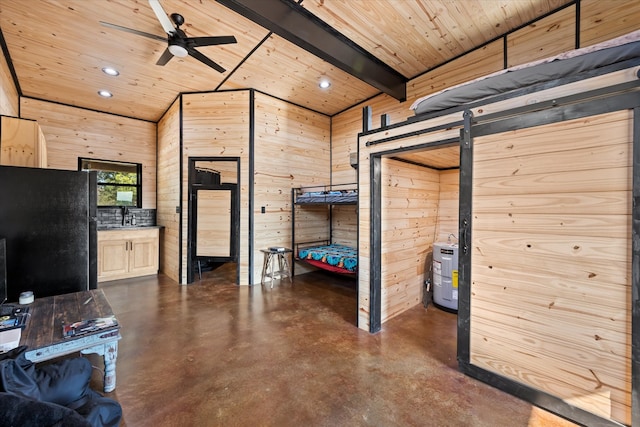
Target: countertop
<point>128,227</point>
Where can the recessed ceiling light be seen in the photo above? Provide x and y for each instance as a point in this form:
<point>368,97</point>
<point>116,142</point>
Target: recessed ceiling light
<point>105,93</point>
<point>324,83</point>
<point>110,71</point>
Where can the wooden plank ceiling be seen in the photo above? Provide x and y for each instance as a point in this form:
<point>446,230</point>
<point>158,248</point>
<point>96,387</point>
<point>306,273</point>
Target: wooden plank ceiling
<point>58,48</point>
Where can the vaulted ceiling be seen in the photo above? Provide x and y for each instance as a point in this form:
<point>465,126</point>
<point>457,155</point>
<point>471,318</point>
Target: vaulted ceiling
<point>58,48</point>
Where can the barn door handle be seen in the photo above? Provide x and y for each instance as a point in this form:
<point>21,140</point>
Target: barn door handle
<point>465,243</point>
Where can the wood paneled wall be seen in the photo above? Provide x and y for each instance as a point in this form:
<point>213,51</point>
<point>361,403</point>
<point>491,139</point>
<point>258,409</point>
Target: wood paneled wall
<point>344,134</point>
<point>602,20</point>
<point>217,124</point>
<point>344,228</point>
<point>549,36</point>
<point>73,132</point>
<point>9,99</point>
<point>312,224</point>
<point>551,260</point>
<point>410,195</point>
<point>448,206</point>
<point>168,194</point>
<point>291,150</point>
<point>477,63</point>
<point>227,170</point>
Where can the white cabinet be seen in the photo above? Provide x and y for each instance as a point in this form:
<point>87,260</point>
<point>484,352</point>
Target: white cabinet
<point>128,252</point>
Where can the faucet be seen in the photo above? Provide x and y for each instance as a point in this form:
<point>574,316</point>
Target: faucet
<point>125,212</point>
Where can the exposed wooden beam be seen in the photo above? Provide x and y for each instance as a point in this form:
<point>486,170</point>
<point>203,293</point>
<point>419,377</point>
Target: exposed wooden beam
<point>294,23</point>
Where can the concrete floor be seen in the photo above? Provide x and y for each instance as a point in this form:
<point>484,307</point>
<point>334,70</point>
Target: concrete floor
<point>215,354</point>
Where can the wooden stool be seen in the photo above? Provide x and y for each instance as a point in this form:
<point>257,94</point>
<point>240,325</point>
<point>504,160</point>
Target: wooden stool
<point>275,265</point>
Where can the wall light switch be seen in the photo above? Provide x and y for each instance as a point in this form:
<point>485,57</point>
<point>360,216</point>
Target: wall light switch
<point>177,209</point>
<point>263,209</point>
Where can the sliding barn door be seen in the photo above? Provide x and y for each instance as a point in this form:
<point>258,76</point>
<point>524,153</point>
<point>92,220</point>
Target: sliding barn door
<point>546,227</point>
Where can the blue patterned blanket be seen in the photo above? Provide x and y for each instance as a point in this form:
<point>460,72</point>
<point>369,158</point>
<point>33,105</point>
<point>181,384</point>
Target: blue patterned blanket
<point>339,256</point>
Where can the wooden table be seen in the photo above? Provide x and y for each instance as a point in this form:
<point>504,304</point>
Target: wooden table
<point>275,265</point>
<point>43,332</point>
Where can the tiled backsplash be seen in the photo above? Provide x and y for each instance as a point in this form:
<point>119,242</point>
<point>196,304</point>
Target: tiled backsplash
<point>112,217</point>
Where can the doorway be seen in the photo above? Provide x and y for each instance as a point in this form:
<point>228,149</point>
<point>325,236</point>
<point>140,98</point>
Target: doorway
<point>414,204</point>
<point>214,214</point>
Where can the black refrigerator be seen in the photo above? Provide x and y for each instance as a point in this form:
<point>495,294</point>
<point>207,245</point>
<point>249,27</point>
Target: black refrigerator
<point>48,219</point>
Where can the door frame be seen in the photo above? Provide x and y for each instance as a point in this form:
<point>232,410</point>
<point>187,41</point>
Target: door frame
<point>375,212</point>
<point>192,214</point>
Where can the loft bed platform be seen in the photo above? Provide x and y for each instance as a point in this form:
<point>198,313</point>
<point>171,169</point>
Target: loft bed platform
<point>340,194</point>
<point>532,77</point>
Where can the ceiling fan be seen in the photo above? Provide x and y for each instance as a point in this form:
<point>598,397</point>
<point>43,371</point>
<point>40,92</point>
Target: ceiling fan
<point>178,43</point>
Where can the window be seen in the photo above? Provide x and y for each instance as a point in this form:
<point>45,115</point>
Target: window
<point>119,183</point>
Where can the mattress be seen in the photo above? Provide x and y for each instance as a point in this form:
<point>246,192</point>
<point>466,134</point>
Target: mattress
<point>569,63</point>
<point>336,256</point>
<point>328,197</point>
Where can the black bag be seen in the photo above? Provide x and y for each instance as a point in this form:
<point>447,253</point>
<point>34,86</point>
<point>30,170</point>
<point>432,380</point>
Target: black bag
<point>64,383</point>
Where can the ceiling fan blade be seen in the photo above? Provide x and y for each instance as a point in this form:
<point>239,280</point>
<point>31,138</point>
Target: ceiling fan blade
<point>166,56</point>
<point>200,57</point>
<point>162,16</point>
<point>131,30</point>
<point>210,41</point>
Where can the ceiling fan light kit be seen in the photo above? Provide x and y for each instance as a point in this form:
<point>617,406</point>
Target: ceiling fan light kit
<point>178,44</point>
<point>178,50</point>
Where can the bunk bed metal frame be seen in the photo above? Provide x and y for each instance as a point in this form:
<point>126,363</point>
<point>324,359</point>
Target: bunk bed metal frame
<point>329,195</point>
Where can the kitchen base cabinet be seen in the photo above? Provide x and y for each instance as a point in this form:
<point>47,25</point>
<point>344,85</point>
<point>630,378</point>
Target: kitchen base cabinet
<point>129,252</point>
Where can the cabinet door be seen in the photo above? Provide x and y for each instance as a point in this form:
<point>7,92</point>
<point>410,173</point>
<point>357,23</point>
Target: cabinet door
<point>127,253</point>
<point>143,256</point>
<point>18,144</point>
<point>113,259</point>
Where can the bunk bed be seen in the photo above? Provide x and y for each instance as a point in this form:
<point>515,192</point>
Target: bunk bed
<point>324,254</point>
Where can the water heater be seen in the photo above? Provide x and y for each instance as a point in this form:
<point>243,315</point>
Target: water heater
<point>445,275</point>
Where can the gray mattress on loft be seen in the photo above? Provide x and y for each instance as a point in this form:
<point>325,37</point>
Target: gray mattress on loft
<point>527,75</point>
<point>328,197</point>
